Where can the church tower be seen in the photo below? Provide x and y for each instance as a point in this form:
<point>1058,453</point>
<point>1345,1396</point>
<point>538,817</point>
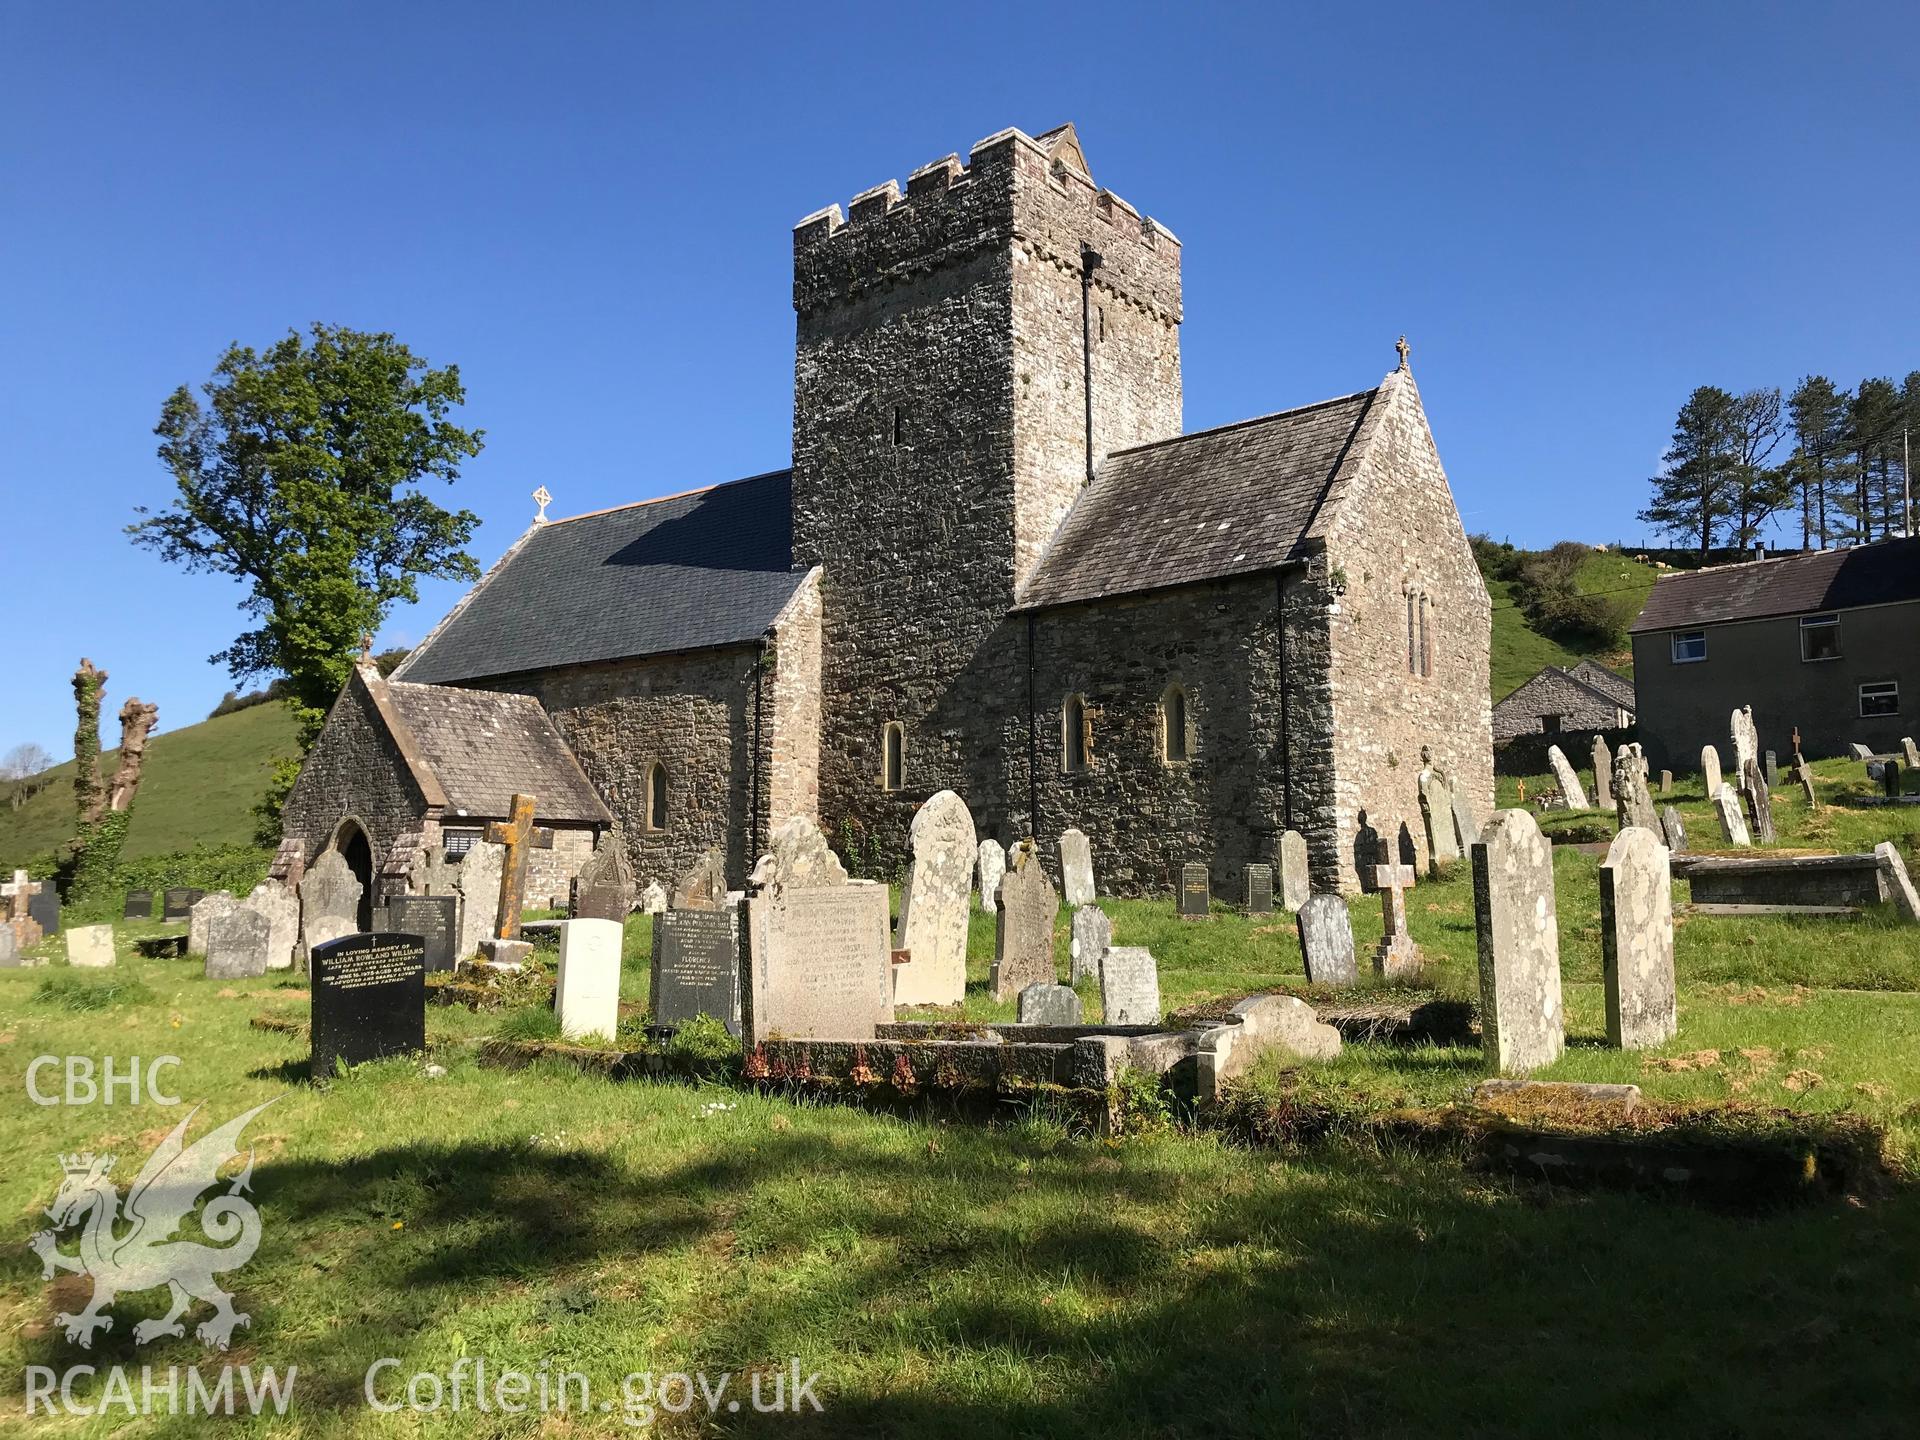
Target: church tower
<point>966,353</point>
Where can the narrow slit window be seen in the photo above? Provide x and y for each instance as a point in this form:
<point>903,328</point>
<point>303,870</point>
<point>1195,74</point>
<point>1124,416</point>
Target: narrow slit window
<point>1426,636</point>
<point>1073,734</point>
<point>899,427</point>
<point>894,757</point>
<point>656,796</point>
<point>1413,657</point>
<point>1173,724</point>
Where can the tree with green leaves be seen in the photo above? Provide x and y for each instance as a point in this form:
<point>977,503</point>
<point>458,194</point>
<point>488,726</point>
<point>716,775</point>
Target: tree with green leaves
<point>299,471</point>
<point>1694,492</point>
<point>1874,422</point>
<point>1756,490</point>
<point>1817,410</point>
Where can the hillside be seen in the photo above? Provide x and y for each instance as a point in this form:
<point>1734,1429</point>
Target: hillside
<point>1520,652</point>
<point>200,786</point>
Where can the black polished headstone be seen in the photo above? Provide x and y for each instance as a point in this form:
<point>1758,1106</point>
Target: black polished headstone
<point>179,903</point>
<point>369,999</point>
<point>44,907</point>
<point>139,905</point>
<point>1195,892</point>
<point>696,966</point>
<point>434,918</point>
<point>1259,889</point>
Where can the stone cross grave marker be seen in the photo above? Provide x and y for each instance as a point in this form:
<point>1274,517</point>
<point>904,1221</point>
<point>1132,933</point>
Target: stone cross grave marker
<point>1076,868</point>
<point>798,857</point>
<point>1568,779</point>
<point>281,907</point>
<point>1436,814</point>
<point>369,999</point>
<point>1521,1020</point>
<point>237,941</point>
<point>1326,941</point>
<point>20,892</point>
<point>200,920</point>
<point>820,962</point>
<point>1129,987</point>
<point>1759,802</point>
<point>1196,894</point>
<point>1636,940</point>
<point>435,919</point>
<point>1710,769</point>
<point>935,903</point>
<point>1466,826</point>
<point>1259,889</point>
<point>329,901</point>
<point>1673,830</point>
<point>992,865</point>
<point>1044,1004</point>
<point>517,834</point>
<point>1396,957</point>
<point>1632,800</point>
<point>139,905</point>
<point>90,946</point>
<point>704,886</point>
<point>1023,938</point>
<point>603,890</point>
<point>587,994</point>
<point>1295,883</point>
<point>1092,938</point>
<point>696,967</point>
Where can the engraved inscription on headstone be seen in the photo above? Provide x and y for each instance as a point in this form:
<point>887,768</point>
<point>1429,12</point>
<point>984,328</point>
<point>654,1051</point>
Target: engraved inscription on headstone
<point>1326,941</point>
<point>139,905</point>
<point>821,963</point>
<point>1259,889</point>
<point>1195,892</point>
<point>1129,987</point>
<point>237,940</point>
<point>434,918</point>
<point>369,999</point>
<point>696,966</point>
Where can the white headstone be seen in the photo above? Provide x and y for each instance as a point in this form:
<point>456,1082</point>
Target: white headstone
<point>1129,987</point>
<point>1521,1021</point>
<point>90,946</point>
<point>1326,941</point>
<point>993,864</point>
<point>1893,870</point>
<point>1295,883</point>
<point>1076,868</point>
<point>1710,769</point>
<point>1733,823</point>
<point>1636,940</point>
<point>1044,1004</point>
<point>1092,938</point>
<point>797,857</point>
<point>587,997</point>
<point>1571,789</point>
<point>1436,814</point>
<point>1746,740</point>
<point>935,904</point>
<point>820,961</point>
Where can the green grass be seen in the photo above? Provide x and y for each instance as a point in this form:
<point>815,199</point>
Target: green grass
<point>1520,652</point>
<point>199,788</point>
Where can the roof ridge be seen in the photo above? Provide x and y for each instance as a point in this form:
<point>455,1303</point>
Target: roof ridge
<point>662,499</point>
<point>1240,424</point>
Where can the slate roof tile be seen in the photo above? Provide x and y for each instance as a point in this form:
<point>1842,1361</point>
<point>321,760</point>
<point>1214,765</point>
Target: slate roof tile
<point>1878,574</point>
<point>483,745</point>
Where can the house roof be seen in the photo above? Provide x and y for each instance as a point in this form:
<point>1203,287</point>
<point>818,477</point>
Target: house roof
<point>1517,698</point>
<point>483,745</point>
<point>1599,678</point>
<point>1231,501</point>
<point>689,572</point>
<point>1878,574</point>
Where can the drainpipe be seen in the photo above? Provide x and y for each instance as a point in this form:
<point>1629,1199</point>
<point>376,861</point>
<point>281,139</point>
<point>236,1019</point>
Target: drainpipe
<point>1090,261</point>
<point>753,813</point>
<point>1033,740</point>
<point>1286,692</point>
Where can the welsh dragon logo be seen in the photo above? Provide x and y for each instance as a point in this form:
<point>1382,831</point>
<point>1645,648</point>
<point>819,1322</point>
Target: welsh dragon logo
<point>135,1250</point>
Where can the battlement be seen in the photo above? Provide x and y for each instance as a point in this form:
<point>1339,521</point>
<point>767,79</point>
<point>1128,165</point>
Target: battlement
<point>1016,190</point>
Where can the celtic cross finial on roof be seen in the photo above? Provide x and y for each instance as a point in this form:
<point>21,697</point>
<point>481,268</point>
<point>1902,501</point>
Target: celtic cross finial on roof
<point>542,499</point>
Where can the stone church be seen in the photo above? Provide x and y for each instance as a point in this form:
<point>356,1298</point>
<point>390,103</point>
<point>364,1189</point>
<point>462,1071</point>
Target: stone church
<point>996,565</point>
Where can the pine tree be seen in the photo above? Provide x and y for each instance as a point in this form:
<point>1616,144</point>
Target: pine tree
<point>1874,423</point>
<point>1818,412</point>
<point>1693,493</point>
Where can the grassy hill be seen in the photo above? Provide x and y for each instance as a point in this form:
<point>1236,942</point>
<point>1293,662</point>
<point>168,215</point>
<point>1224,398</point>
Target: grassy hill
<point>200,786</point>
<point>1520,652</point>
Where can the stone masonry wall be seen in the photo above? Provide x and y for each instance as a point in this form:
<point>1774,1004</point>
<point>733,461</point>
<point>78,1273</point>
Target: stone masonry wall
<point>354,769</point>
<point>1552,692</point>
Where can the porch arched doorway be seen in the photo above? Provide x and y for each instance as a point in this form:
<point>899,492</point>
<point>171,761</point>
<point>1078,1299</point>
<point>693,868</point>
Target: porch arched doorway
<point>357,850</point>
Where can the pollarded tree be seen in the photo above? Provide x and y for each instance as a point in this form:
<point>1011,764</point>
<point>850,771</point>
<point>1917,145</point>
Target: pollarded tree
<point>299,472</point>
<point>1694,492</point>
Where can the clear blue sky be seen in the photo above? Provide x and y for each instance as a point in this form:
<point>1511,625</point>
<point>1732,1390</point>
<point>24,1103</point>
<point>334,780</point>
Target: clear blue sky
<point>1576,214</point>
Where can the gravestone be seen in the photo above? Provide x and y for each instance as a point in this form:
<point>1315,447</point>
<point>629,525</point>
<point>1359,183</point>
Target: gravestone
<point>704,886</point>
<point>1602,774</point>
<point>43,907</point>
<point>476,880</point>
<point>602,890</point>
<point>177,904</point>
<point>1196,894</point>
<point>1746,740</point>
<point>1733,825</point>
<point>1772,770</point>
<point>1710,769</point>
<point>200,921</point>
<point>1436,814</point>
<point>1633,802</point>
<point>1519,943</point>
<point>1804,772</point>
<point>9,949</point>
<point>1044,1004</point>
<point>1564,775</point>
<point>1326,941</point>
<point>517,836</point>
<point>90,946</point>
<point>237,940</point>
<point>1396,957</point>
<point>1674,832</point>
<point>1076,868</point>
<point>798,857</point>
<point>992,865</point>
<point>1092,938</point>
<point>587,994</point>
<point>330,900</point>
<point>653,899</point>
<point>1666,782</point>
<point>1129,987</point>
<point>369,998</point>
<point>1636,940</point>
<point>1759,802</point>
<point>1859,751</point>
<point>935,903</point>
<point>1893,872</point>
<point>1259,889</point>
<point>1911,751</point>
<point>1023,938</point>
<point>273,899</point>
<point>1891,780</point>
<point>435,919</point>
<point>139,905</point>
<point>819,957</point>
<point>1466,825</point>
<point>696,966</point>
<point>1295,883</point>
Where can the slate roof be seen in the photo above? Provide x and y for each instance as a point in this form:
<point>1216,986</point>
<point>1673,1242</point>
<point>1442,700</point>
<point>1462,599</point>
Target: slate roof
<point>1230,501</point>
<point>1598,677</point>
<point>483,745</point>
<point>712,567</point>
<point>1878,574</point>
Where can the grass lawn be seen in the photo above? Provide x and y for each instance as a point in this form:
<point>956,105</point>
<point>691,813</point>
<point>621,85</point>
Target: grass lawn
<point>1025,1278</point>
<point>1520,652</point>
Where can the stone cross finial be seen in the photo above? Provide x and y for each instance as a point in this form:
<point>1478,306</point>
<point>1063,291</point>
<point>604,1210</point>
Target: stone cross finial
<point>366,646</point>
<point>543,499</point>
<point>1404,349</point>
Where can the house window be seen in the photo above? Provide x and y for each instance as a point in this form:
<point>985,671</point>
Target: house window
<point>1819,637</point>
<point>893,762</point>
<point>1880,697</point>
<point>456,843</point>
<point>656,796</point>
<point>1689,646</point>
<point>1073,735</point>
<point>1174,744</point>
<point>1549,724</point>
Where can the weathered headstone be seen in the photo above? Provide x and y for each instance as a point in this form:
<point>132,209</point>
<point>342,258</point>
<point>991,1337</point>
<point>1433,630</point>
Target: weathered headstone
<point>90,946</point>
<point>9,949</point>
<point>1673,830</point>
<point>1633,802</point>
<point>1758,799</point>
<point>1733,825</point>
<point>1044,1004</point>
<point>1859,751</point>
<point>820,960</point>
<point>1602,774</point>
<point>1436,814</point>
<point>1092,938</point>
<point>435,919</point>
<point>1396,957</point>
<point>935,903</point>
<point>992,865</point>
<point>1772,770</point>
<point>477,881</point>
<point>704,886</point>
<point>1519,942</point>
<point>798,857</point>
<point>237,940</point>
<point>1567,778</point>
<point>1129,987</point>
<point>516,836</point>
<point>1295,882</point>
<point>369,998</point>
<point>1466,825</point>
<point>1893,871</point>
<point>139,905</point>
<point>1326,941</point>
<point>1911,751</point>
<point>1196,894</point>
<point>587,994</point>
<point>1023,939</point>
<point>200,921</point>
<point>696,966</point>
<point>1746,740</point>
<point>1076,868</point>
<point>602,890</point>
<point>1666,782</point>
<point>1803,772</point>
<point>653,899</point>
<point>1259,889</point>
<point>1710,770</point>
<point>281,907</point>
<point>1636,940</point>
<point>330,900</point>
